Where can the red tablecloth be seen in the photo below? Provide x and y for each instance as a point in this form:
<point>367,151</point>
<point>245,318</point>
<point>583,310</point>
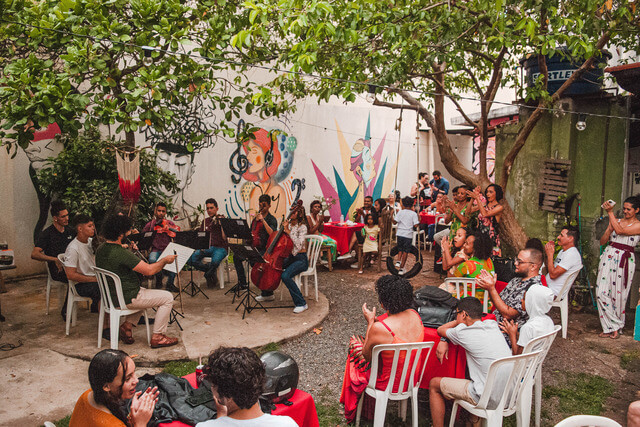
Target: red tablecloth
<point>303,410</point>
<point>426,218</point>
<point>454,366</point>
<point>341,234</point>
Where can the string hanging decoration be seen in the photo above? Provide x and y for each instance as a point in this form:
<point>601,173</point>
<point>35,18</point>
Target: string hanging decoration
<point>128,165</point>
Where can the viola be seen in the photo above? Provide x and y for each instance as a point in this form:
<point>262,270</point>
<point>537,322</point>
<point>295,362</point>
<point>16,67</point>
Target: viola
<point>165,227</point>
<point>266,275</point>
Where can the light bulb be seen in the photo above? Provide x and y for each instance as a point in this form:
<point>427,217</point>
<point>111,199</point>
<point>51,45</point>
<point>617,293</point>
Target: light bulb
<point>147,60</point>
<point>581,125</point>
<point>371,97</point>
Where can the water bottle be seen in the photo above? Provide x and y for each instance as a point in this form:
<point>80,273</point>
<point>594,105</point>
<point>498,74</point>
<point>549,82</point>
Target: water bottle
<point>341,218</point>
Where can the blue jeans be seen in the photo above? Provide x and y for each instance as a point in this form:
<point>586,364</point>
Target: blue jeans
<point>216,255</point>
<point>153,257</point>
<point>293,266</point>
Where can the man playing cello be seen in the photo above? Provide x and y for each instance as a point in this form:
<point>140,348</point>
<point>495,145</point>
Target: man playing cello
<point>261,227</point>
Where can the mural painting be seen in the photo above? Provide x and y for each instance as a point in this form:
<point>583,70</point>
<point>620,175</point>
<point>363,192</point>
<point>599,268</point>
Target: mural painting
<point>189,131</point>
<point>491,157</point>
<point>364,173</point>
<point>43,147</point>
<point>263,165</point>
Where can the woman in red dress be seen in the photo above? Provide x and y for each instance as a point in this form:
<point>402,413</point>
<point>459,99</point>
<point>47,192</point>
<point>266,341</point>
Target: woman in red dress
<point>402,325</point>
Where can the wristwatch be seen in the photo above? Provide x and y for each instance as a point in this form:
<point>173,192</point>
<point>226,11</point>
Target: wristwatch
<point>444,339</point>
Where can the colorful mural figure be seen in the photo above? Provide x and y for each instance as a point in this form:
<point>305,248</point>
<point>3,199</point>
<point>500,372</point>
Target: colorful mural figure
<point>43,146</point>
<point>265,163</point>
<point>364,174</point>
<point>491,157</point>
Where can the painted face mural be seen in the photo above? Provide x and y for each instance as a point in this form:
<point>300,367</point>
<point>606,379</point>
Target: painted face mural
<point>364,174</point>
<point>264,162</point>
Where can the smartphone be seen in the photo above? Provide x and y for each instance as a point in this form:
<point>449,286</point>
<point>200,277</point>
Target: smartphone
<point>611,202</point>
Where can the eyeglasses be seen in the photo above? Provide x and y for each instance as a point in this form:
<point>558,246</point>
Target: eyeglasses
<point>519,261</point>
<point>459,312</point>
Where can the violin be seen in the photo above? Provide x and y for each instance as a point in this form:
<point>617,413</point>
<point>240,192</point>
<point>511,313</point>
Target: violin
<point>164,227</point>
<point>266,275</point>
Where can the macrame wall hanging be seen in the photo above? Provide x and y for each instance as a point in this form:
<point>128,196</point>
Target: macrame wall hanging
<point>128,164</point>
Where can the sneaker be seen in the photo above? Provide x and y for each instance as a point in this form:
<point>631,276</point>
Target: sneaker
<point>397,264</point>
<point>354,265</point>
<point>263,298</point>
<point>360,272</point>
<point>300,308</point>
<point>401,272</point>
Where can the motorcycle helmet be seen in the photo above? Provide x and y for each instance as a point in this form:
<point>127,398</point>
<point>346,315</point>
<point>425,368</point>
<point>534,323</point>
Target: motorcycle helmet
<point>281,376</point>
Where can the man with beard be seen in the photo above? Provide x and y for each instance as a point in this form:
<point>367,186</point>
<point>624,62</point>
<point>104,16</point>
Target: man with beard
<point>508,303</point>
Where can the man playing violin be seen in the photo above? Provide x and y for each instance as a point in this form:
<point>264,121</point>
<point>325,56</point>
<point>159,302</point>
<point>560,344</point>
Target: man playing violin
<point>164,229</point>
<point>261,227</point>
<point>217,245</point>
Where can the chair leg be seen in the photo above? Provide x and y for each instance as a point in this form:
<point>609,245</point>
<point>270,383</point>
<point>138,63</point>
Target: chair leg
<point>359,410</point>
<point>564,316</point>
<point>100,323</point>
<point>315,279</point>
<point>538,396</point>
<point>114,325</point>
<point>402,410</point>
<point>70,314</point>
<point>494,418</point>
<point>523,411</point>
<point>48,294</point>
<point>146,321</point>
<point>381,411</point>
<point>306,286</point>
<point>414,409</point>
<point>454,412</point>
<point>220,274</point>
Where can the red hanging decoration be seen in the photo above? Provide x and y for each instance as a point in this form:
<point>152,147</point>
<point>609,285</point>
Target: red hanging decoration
<point>128,164</point>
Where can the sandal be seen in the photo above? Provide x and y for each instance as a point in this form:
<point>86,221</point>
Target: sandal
<point>614,335</point>
<point>126,334</point>
<point>164,341</point>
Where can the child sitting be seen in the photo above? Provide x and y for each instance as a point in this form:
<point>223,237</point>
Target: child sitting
<point>537,303</point>
<point>370,246</point>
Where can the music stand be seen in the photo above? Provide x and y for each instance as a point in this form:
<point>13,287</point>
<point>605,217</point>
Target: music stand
<point>195,240</point>
<point>248,301</point>
<point>143,240</point>
<point>238,234</point>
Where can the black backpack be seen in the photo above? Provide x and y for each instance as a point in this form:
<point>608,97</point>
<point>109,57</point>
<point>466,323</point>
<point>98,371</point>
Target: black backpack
<point>435,306</point>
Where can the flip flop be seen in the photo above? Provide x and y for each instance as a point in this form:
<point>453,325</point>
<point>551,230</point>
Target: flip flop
<point>614,335</point>
<point>604,334</point>
<point>165,341</point>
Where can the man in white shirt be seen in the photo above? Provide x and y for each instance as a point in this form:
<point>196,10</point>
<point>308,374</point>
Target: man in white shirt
<point>80,260</point>
<point>237,378</point>
<point>483,343</point>
<point>567,262</point>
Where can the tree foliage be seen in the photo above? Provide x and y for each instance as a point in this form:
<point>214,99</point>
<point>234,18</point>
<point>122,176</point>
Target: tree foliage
<point>84,175</point>
<point>80,63</point>
<point>426,52</point>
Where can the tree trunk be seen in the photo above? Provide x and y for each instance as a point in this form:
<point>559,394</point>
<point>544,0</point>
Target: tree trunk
<point>511,232</point>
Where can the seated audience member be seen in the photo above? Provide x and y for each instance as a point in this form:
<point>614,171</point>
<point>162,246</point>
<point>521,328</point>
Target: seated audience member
<point>54,241</point>
<point>483,344</point>
<point>237,378</point>
<point>633,414</point>
<point>407,220</point>
<point>113,381</point>
<point>535,243</point>
<point>567,262</point>
<point>217,250</point>
<point>439,185</point>
<point>162,226</point>
<point>316,226</point>
<point>111,256</point>
<point>537,303</point>
<point>403,325</point>
<point>508,303</point>
<point>453,255</point>
<point>80,260</point>
<point>359,217</point>
<point>379,206</point>
<point>393,203</point>
<point>480,246</point>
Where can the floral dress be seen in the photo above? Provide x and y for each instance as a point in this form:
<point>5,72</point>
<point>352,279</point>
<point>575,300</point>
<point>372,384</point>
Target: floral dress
<point>326,240</point>
<point>615,275</point>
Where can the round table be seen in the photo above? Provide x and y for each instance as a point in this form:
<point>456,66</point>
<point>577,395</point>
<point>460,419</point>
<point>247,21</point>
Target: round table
<point>341,234</point>
<point>427,218</point>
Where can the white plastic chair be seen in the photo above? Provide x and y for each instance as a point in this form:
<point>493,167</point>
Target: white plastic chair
<point>562,301</point>
<point>50,282</point>
<point>314,243</point>
<point>462,284</point>
<point>72,299</point>
<point>207,260</point>
<point>408,384</point>
<point>417,236</point>
<point>587,420</point>
<point>523,367</point>
<point>107,306</point>
<point>543,344</point>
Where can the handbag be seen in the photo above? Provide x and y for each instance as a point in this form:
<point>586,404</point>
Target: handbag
<point>505,268</point>
<point>435,306</point>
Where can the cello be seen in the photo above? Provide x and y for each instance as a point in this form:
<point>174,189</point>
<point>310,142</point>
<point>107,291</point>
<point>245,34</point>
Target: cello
<point>266,275</point>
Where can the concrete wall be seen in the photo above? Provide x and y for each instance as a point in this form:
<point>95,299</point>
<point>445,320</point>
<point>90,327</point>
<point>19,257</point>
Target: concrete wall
<point>557,137</point>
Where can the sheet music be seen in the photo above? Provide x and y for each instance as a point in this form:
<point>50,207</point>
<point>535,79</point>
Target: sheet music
<point>184,253</point>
